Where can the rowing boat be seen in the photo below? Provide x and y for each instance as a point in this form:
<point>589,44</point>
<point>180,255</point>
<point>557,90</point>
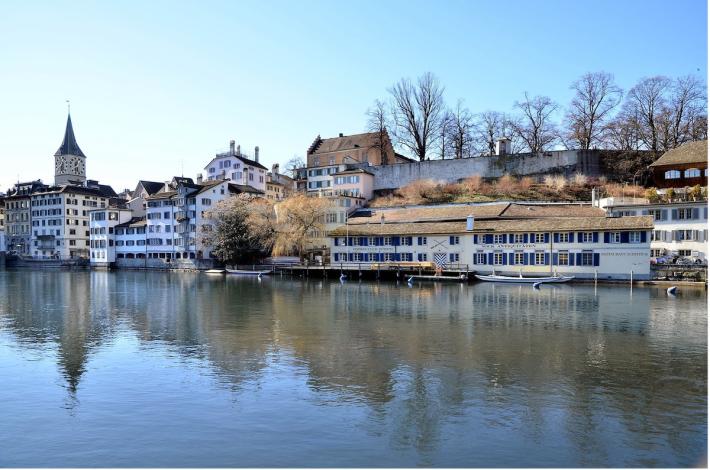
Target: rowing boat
<point>247,272</point>
<point>214,271</point>
<point>525,280</point>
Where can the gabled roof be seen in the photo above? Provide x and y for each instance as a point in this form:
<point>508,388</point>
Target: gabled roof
<point>151,187</point>
<point>242,158</point>
<point>69,145</point>
<point>243,188</point>
<point>689,152</point>
<point>346,142</point>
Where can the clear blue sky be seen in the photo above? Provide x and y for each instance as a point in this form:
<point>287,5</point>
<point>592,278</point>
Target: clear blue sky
<point>157,87</point>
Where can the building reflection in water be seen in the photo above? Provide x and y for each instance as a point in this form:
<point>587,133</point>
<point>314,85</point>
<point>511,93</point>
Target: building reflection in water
<point>418,357</point>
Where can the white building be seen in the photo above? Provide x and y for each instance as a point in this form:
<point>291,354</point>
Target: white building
<point>680,228</point>
<point>237,168</point>
<point>512,239</point>
<point>102,234</point>
<point>60,220</point>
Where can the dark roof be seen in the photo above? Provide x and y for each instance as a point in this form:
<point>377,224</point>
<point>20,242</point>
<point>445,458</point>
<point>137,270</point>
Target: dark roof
<point>243,188</point>
<point>243,159</point>
<point>151,187</point>
<point>689,152</point>
<point>107,190</point>
<point>69,145</point>
<point>352,171</point>
<point>135,221</point>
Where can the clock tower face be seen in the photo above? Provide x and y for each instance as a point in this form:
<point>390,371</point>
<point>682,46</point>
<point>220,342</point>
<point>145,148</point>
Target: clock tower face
<point>69,160</point>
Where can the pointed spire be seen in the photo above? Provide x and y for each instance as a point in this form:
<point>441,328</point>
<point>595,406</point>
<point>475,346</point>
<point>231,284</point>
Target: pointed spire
<point>69,145</point>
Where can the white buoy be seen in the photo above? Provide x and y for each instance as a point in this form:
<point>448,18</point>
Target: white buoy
<point>671,290</point>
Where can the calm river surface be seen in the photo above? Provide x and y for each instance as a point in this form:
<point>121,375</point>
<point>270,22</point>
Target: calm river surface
<point>165,369</point>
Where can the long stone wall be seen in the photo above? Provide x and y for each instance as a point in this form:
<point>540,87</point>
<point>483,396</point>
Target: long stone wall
<point>566,162</point>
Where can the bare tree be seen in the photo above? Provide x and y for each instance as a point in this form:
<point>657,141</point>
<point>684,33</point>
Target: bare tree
<point>488,128</point>
<point>296,162</point>
<point>687,101</point>
<point>445,127</point>
<point>623,132</point>
<point>596,96</point>
<point>377,124</point>
<point>535,126</point>
<point>646,100</point>
<point>460,137</point>
<point>417,111</point>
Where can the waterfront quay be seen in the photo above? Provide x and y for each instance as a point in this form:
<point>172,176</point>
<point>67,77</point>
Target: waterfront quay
<point>175,369</point>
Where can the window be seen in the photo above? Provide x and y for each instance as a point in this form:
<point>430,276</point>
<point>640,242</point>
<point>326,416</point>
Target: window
<point>635,237</point>
<point>406,241</point>
<point>692,173</point>
<point>372,241</point>
<point>479,258</point>
<point>453,257</point>
<point>685,214</point>
<point>587,237</point>
<point>421,241</point>
<point>563,237</point>
<point>388,256</point>
<point>684,252</point>
<point>206,202</point>
<point>587,258</point>
<point>519,257</point>
<point>615,237</point>
<point>672,174</point>
<point>422,257</point>
<point>562,258</point>
<point>518,238</point>
<point>356,241</point>
<point>387,241</point>
<point>498,258</point>
<point>656,213</point>
<point>454,240</point>
<point>685,235</point>
<point>497,238</point>
<point>406,256</point>
<point>539,238</point>
<point>540,257</point>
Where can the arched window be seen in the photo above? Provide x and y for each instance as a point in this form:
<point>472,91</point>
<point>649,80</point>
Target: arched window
<point>692,173</point>
<point>672,174</point>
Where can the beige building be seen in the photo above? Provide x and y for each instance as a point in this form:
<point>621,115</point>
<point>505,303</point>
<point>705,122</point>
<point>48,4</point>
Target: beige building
<point>368,148</point>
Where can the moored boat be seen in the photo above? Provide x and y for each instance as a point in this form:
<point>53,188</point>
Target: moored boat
<point>524,280</point>
<point>215,271</point>
<point>247,272</point>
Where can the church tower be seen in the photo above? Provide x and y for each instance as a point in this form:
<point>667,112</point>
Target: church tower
<point>69,161</point>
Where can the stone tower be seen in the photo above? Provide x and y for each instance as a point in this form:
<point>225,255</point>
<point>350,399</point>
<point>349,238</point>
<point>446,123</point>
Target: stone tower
<point>69,161</point>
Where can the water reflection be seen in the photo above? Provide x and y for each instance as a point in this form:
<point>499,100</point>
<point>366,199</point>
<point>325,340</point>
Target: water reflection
<point>488,375</point>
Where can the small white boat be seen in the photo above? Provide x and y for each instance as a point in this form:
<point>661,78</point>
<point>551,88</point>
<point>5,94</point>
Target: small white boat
<point>247,272</point>
<point>525,280</point>
<point>215,271</point>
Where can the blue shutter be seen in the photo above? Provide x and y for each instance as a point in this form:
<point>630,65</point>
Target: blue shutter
<point>595,237</point>
<point>489,239</point>
<point>696,213</point>
<point>337,241</point>
<point>475,239</point>
<point>571,259</point>
<point>525,259</point>
<point>596,259</point>
<point>451,240</point>
<point>490,257</point>
<point>409,240</point>
<point>674,214</point>
<point>555,259</point>
<point>705,213</point>
<point>579,259</point>
<point>505,238</point>
<point>624,237</point>
<point>350,241</point>
<point>579,237</point>
<point>335,257</point>
<point>557,237</point>
<point>525,238</point>
<point>350,256</point>
<point>395,241</point>
<point>547,238</point>
<point>606,237</point>
<point>547,259</point>
<point>571,237</point>
<point>363,241</point>
<point>643,237</point>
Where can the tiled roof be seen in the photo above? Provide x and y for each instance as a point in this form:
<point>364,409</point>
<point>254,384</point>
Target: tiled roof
<point>552,210</point>
<point>151,187</point>
<point>353,171</point>
<point>426,213</point>
<point>689,152</point>
<point>346,142</point>
<point>134,222</point>
<point>550,224</point>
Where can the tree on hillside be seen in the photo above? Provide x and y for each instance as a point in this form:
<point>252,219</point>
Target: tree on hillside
<point>595,98</point>
<point>460,137</point>
<point>622,132</point>
<point>488,128</point>
<point>645,102</point>
<point>377,124</point>
<point>534,126</point>
<point>417,110</point>
<point>687,102</point>
<point>300,219</point>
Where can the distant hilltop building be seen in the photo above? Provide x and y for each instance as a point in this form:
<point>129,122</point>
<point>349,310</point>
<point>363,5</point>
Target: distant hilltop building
<point>683,166</point>
<point>374,148</point>
<point>69,160</point>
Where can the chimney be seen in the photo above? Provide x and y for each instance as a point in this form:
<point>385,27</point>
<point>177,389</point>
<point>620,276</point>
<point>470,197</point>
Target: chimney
<point>275,169</point>
<point>340,135</point>
<point>199,177</point>
<point>503,146</point>
<point>469,223</point>
<point>231,147</point>
<point>256,154</point>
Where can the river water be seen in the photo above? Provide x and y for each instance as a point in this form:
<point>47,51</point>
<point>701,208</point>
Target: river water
<point>167,369</point>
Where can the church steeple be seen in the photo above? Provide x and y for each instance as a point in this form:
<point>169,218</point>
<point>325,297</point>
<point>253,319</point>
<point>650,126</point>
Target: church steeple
<point>69,161</point>
<point>69,145</point>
